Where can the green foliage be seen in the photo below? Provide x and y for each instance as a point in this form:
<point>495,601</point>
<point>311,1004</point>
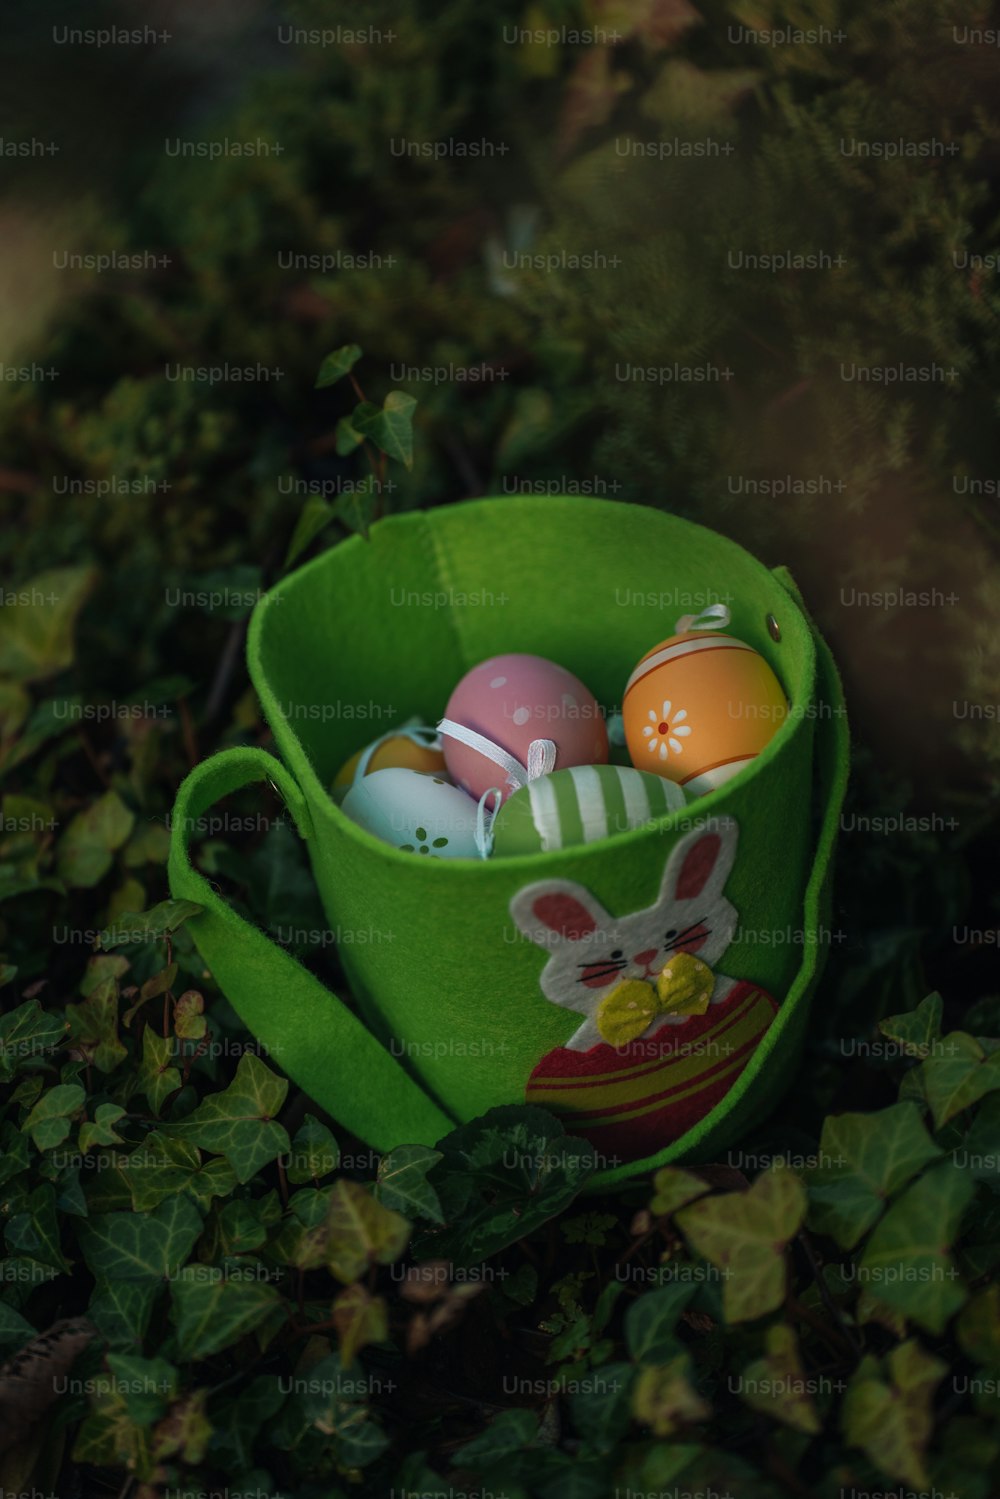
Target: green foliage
<point>242,1293</point>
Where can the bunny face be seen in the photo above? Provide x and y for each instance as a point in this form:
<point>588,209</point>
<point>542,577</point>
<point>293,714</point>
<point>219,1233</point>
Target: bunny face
<point>590,951</point>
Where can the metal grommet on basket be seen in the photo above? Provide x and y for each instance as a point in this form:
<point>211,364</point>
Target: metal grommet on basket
<point>773,628</point>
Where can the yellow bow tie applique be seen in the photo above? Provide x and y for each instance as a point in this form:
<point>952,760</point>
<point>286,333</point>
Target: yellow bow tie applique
<point>684,987</point>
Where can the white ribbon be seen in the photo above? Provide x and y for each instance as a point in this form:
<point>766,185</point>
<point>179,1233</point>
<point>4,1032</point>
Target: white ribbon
<point>715,617</point>
<point>484,822</point>
<point>541,758</point>
<point>541,754</point>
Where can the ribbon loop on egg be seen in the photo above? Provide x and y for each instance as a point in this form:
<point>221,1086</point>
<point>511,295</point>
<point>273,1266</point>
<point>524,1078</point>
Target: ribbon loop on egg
<point>715,617</point>
<point>484,821</point>
<point>541,758</point>
<point>541,753</point>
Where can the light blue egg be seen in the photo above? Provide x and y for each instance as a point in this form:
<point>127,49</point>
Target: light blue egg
<point>415,812</point>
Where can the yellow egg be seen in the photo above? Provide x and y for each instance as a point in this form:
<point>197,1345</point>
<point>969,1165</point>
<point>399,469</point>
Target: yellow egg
<point>700,706</point>
<point>396,752</point>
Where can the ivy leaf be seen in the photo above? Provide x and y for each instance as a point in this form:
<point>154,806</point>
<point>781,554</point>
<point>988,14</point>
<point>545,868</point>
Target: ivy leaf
<point>601,1406</point>
<point>345,437</point>
<point>499,1178</point>
<point>147,1385</point>
<point>240,1122</point>
<point>673,1189</point>
<point>664,1398</point>
<point>888,1414</point>
<point>915,1031</point>
<point>978,1327</point>
<point>86,849</point>
<point>507,1433</point>
<point>240,1227</point>
<point>356,509</point>
<point>186,1431</point>
<point>314,517</point>
<point>336,365</point>
<point>109,1436</point>
<point>360,1319</point>
<point>158,983</point>
<point>863,1160</point>
<point>157,1077</point>
<point>302,1239</point>
<point>101,967</point>
<point>211,1311</point>
<point>162,1167</point>
<point>50,1120</point>
<point>149,844</point>
<point>776,1384</point>
<point>314,1152</point>
<point>650,1322</point>
<point>28,1090</point>
<point>957,1075</point>
<point>15,1331</point>
<point>141,1247</point>
<point>979,1153</point>
<point>36,629</point>
<point>50,720</point>
<point>101,1131</point>
<point>402,1182</point>
<point>189,1014</point>
<point>906,1263</point>
<point>160,921</point>
<point>744,1235</point>
<point>361,1232</point>
<point>15,705</point>
<point>868,1310</point>
<point>390,429</point>
<point>332,1407</point>
<point>121,1310</point>
<point>15,1153</point>
<point>34,1231</point>
<point>27,1033</point>
<point>93,1026</point>
<point>239,1420</point>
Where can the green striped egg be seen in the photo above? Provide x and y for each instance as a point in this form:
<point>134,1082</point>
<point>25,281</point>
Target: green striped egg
<point>580,805</point>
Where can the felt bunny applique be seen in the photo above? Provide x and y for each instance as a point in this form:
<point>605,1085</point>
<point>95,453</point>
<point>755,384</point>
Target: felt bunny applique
<point>663,1036</point>
<point>629,976</point>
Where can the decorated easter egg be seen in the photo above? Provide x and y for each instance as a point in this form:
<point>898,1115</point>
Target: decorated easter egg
<point>417,813</point>
<point>632,1095</point>
<point>505,710</point>
<point>700,706</point>
<point>579,805</point>
<point>413,747</point>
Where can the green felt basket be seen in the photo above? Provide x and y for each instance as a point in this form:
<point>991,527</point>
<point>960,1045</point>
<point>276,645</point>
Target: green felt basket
<point>448,1018</point>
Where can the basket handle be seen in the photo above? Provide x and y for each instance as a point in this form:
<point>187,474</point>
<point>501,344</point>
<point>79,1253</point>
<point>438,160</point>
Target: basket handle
<point>352,1076</point>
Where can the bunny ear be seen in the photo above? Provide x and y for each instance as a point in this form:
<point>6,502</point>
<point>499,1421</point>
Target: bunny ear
<point>556,911</point>
<point>700,864</point>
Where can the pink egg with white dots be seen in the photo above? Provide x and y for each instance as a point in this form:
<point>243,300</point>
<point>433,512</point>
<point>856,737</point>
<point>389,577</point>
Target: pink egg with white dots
<point>512,700</point>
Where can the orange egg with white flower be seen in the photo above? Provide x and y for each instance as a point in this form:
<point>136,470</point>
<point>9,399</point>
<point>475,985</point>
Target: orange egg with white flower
<point>699,707</point>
